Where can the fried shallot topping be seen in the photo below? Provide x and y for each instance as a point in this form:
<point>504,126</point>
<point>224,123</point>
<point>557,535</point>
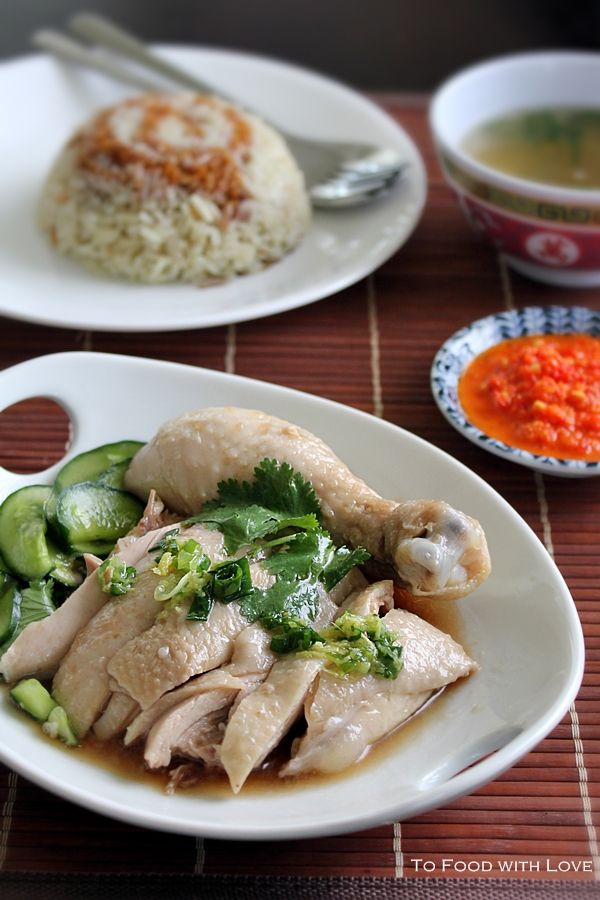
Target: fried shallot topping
<point>151,142</point>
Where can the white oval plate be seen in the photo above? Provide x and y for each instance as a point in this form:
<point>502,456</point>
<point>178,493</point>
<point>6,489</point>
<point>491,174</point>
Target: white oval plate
<point>521,625</point>
<point>39,285</point>
<point>467,343</point>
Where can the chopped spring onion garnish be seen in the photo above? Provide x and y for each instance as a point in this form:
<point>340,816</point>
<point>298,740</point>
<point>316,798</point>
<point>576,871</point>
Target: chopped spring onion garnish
<point>115,577</point>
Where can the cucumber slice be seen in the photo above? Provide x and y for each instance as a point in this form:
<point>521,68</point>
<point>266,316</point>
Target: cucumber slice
<point>114,476</point>
<point>89,465</point>
<point>93,516</point>
<point>96,548</point>
<point>58,723</point>
<point>68,569</point>
<point>23,543</point>
<point>106,464</point>
<point>10,609</point>
<point>6,580</point>
<point>50,508</point>
<point>32,696</point>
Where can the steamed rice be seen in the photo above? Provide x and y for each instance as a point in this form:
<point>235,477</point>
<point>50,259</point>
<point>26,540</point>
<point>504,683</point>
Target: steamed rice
<point>181,187</point>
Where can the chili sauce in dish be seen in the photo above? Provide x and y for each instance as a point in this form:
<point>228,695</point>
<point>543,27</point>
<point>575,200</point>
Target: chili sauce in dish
<point>558,146</point>
<point>539,393</point>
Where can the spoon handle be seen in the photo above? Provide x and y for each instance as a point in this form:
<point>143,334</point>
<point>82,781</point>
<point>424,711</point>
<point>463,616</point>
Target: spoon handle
<point>100,31</point>
<point>62,46</point>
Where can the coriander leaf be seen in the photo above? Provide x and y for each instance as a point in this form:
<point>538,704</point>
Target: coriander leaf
<point>276,486</point>
<point>279,487</point>
<point>280,511</point>
<point>278,498</point>
<point>242,524</point>
<point>340,564</point>
<point>305,553</point>
<point>293,598</point>
<point>36,604</point>
<point>309,522</point>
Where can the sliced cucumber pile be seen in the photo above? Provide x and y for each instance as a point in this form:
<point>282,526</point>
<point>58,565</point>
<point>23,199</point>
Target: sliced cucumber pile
<point>44,530</point>
<point>95,463</point>
<point>106,464</point>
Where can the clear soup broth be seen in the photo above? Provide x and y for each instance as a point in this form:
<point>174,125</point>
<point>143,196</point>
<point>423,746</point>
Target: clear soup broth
<point>558,146</point>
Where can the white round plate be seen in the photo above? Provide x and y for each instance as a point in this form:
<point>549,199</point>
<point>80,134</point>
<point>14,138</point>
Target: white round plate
<point>342,246</point>
<point>453,356</point>
<point>521,625</point>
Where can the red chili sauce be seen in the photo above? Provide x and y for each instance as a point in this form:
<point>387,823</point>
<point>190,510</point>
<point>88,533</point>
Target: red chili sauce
<point>539,393</point>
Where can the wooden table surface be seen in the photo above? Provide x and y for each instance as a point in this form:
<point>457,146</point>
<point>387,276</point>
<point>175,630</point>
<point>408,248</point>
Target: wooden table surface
<point>371,347</point>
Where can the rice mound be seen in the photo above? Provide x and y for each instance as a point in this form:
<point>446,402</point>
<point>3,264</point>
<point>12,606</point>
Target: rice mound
<point>184,187</point>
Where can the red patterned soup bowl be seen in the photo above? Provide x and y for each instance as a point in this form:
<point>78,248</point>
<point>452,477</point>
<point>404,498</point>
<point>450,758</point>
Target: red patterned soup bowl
<point>549,233</point>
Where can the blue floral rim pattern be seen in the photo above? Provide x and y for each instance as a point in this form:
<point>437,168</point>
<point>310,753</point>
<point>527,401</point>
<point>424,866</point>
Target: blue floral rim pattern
<point>469,342</point>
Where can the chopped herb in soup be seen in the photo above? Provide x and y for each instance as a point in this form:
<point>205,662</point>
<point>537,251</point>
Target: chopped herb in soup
<point>559,146</point>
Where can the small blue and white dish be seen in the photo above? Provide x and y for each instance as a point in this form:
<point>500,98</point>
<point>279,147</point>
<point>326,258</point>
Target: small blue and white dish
<point>453,356</point>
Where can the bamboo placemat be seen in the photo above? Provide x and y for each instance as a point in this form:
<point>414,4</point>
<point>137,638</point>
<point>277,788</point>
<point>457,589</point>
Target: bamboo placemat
<point>369,346</point>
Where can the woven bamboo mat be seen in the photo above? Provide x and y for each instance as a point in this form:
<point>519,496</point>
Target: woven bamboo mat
<point>371,347</point>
